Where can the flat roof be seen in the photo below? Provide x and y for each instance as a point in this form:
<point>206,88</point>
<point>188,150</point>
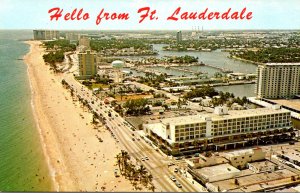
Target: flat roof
<point>282,64</point>
<point>260,164</point>
<point>217,170</point>
<point>253,182</point>
<point>241,152</point>
<point>231,115</point>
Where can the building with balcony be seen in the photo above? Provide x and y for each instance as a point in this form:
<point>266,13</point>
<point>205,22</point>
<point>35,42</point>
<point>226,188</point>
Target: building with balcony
<point>87,64</point>
<point>278,80</point>
<point>222,129</point>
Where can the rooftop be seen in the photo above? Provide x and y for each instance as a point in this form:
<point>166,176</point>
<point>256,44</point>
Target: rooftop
<point>231,114</point>
<point>218,170</point>
<point>254,182</point>
<point>241,152</point>
<point>282,64</point>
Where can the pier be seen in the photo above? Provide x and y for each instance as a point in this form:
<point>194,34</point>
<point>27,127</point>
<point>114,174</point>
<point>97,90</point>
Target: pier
<point>224,70</point>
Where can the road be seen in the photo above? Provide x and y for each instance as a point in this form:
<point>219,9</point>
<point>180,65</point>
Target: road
<point>157,163</point>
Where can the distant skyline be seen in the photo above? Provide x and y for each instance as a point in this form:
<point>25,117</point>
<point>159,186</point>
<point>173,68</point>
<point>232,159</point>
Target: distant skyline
<point>33,14</point>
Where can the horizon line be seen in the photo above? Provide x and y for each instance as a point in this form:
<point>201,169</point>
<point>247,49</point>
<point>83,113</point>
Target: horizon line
<point>261,29</point>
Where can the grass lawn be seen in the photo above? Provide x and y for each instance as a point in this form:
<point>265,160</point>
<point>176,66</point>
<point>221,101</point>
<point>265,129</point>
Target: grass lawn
<point>98,85</point>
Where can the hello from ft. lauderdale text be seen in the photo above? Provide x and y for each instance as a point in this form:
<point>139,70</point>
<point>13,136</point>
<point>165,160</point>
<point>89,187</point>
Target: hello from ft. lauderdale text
<point>147,13</point>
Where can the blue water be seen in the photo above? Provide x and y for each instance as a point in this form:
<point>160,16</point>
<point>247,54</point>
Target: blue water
<point>22,164</point>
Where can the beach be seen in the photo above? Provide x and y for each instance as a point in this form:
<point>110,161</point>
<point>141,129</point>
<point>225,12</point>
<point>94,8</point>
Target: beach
<point>76,158</point>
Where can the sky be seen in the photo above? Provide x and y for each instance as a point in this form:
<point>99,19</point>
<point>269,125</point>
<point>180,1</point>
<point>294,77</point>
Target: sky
<point>33,14</point>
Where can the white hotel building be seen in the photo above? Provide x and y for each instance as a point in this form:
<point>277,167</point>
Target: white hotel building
<point>278,80</point>
<point>220,130</point>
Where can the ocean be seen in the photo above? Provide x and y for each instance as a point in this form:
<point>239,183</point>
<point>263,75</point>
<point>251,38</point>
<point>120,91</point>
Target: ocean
<point>22,163</point>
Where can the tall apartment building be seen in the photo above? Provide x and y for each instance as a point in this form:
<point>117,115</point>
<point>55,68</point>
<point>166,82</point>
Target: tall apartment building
<point>179,36</point>
<point>46,34</point>
<point>220,130</point>
<point>84,41</point>
<point>87,64</point>
<point>72,36</point>
<point>278,80</point>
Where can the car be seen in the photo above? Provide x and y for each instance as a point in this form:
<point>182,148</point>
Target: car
<point>292,143</point>
<point>178,158</point>
<point>170,164</point>
<point>178,184</point>
<point>176,170</point>
<point>173,178</point>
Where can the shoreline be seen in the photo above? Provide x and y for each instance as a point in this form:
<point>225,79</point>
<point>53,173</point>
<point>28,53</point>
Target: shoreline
<point>77,161</point>
<point>247,61</point>
<point>54,185</point>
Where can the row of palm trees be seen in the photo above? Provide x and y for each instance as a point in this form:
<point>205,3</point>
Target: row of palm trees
<point>136,174</point>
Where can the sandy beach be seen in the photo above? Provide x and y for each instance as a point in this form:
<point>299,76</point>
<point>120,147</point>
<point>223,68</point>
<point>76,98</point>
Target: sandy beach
<point>77,160</point>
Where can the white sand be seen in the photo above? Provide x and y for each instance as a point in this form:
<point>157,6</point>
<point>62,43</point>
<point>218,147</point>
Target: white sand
<point>80,162</point>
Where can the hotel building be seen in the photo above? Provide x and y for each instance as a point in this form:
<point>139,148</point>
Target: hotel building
<point>87,64</point>
<point>220,130</point>
<point>45,34</point>
<point>278,80</point>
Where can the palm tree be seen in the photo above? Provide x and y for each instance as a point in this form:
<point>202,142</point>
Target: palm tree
<point>125,159</point>
<point>119,161</point>
<point>142,171</point>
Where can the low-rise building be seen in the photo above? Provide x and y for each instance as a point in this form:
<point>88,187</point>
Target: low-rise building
<point>241,158</point>
<point>265,166</point>
<point>205,161</point>
<point>216,173</point>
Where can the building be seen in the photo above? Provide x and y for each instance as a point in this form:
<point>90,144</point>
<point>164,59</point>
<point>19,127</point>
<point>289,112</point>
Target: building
<point>87,64</point>
<point>72,37</point>
<point>241,158</point>
<point>265,166</point>
<point>216,173</point>
<point>205,161</point>
<point>222,129</point>
<point>85,41</point>
<point>278,80</point>
<point>179,37</point>
<point>46,34</point>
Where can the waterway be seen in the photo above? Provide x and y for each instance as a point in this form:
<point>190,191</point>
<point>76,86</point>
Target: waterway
<point>215,58</point>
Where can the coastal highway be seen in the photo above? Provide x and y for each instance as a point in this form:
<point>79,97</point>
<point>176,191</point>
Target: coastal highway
<point>157,163</point>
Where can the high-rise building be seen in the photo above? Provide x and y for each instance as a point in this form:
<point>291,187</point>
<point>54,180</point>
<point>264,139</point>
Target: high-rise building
<point>72,36</point>
<point>179,36</point>
<point>84,41</point>
<point>278,80</point>
<point>45,34</point>
<point>87,64</point>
